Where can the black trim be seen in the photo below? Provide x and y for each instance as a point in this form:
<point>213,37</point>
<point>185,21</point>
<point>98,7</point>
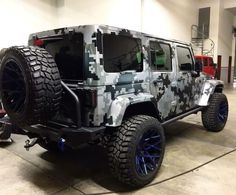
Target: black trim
<point>193,111</point>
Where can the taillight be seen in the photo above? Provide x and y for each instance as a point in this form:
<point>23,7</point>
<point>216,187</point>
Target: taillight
<point>88,97</point>
<point>38,42</point>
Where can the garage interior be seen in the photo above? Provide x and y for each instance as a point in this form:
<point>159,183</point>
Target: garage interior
<point>196,161</point>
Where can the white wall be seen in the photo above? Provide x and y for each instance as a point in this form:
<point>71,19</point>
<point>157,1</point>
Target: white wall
<point>171,19</point>
<point>234,22</point>
<point>225,36</point>
<point>19,18</point>
<point>120,13</point>
<point>229,3</point>
<point>160,17</point>
<point>214,21</point>
<point>163,18</point>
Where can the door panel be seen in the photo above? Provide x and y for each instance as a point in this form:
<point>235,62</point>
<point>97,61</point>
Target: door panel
<point>185,82</point>
<point>163,84</point>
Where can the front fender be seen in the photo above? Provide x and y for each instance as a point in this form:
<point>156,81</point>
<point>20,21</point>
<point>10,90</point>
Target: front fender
<point>118,107</point>
<point>207,90</point>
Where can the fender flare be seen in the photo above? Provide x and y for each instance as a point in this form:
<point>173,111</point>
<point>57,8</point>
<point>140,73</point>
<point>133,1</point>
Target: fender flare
<point>207,90</point>
<point>121,103</point>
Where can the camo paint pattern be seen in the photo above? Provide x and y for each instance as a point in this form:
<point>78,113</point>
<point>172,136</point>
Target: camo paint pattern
<point>208,89</point>
<point>116,91</point>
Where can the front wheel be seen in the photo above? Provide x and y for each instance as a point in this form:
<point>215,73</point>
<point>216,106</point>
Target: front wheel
<point>214,116</point>
<point>136,150</point>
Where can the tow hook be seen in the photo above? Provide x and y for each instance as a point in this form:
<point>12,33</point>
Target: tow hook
<point>29,144</point>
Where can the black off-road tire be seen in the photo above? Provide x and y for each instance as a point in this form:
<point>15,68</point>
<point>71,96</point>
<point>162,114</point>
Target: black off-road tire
<point>2,53</point>
<point>124,146</point>
<point>214,116</point>
<point>30,85</point>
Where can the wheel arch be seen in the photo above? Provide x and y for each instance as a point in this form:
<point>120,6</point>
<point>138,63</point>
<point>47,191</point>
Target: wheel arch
<point>210,87</point>
<point>130,104</point>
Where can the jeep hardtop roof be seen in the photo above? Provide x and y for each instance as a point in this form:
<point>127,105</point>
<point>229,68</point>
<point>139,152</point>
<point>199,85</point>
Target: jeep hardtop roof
<point>83,28</point>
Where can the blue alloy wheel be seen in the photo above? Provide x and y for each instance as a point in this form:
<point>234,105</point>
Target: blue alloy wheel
<point>223,112</point>
<point>148,152</point>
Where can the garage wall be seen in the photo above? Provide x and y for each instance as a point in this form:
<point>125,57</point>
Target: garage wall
<point>225,36</point>
<point>160,17</point>
<point>171,19</point>
<point>234,22</point>
<point>120,13</point>
<point>214,21</point>
<point>19,18</point>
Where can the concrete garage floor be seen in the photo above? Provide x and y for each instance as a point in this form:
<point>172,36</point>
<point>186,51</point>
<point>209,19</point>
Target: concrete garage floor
<point>196,162</point>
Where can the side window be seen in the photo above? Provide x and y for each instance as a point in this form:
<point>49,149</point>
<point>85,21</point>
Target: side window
<point>185,60</point>
<point>160,55</point>
<point>211,63</point>
<point>122,53</point>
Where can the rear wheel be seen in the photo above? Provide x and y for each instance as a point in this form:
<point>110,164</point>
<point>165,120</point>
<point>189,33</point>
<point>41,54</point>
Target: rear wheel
<point>214,116</point>
<point>136,150</point>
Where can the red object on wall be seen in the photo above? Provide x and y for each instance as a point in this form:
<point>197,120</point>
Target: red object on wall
<point>219,58</point>
<point>229,69</point>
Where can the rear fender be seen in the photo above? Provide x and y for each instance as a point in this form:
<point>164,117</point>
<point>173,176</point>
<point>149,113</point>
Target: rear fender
<point>119,105</point>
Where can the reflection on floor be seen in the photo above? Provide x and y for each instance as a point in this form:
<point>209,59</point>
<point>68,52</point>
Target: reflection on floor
<point>196,162</point>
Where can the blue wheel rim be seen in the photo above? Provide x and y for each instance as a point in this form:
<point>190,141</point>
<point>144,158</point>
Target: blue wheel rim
<point>148,152</point>
<point>223,112</point>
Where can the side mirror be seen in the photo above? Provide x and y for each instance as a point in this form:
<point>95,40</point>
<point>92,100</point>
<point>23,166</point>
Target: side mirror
<point>215,65</point>
<point>198,68</point>
<point>195,74</point>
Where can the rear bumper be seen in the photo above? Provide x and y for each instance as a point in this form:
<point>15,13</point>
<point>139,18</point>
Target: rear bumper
<point>73,136</point>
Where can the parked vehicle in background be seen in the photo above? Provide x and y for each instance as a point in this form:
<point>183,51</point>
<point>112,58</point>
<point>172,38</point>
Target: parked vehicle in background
<point>208,65</point>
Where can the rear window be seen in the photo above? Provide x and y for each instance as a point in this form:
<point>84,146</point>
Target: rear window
<point>122,53</point>
<point>68,54</point>
<point>211,63</point>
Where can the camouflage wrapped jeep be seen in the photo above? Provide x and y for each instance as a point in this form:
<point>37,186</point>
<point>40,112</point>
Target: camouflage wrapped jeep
<point>107,85</point>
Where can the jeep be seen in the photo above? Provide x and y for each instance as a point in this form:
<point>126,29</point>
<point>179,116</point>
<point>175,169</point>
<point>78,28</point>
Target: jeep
<point>107,85</point>
<point>209,67</point>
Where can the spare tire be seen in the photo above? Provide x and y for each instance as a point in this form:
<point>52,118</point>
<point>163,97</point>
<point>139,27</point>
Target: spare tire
<point>30,85</point>
<point>2,53</point>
